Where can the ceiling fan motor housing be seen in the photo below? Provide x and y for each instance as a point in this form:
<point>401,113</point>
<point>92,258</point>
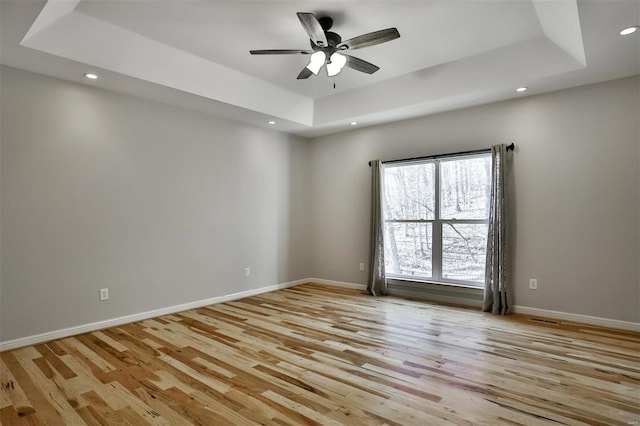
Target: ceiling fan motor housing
<point>333,40</point>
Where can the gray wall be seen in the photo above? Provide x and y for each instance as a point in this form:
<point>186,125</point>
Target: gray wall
<point>575,192</point>
<point>161,205</point>
<point>167,206</point>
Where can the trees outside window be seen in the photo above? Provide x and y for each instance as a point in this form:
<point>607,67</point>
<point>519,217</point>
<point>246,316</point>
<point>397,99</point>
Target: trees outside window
<point>436,217</point>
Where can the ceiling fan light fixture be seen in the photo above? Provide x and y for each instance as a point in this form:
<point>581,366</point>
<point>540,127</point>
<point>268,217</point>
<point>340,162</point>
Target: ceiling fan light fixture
<point>316,62</point>
<point>335,64</point>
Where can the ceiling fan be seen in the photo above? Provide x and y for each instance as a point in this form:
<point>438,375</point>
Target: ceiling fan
<point>327,47</point>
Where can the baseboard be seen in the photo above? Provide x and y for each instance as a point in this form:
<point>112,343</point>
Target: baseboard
<point>578,318</point>
<point>337,283</point>
<point>99,325</point>
<point>545,313</point>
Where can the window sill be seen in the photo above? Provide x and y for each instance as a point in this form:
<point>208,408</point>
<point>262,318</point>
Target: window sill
<point>456,294</point>
<point>435,284</point>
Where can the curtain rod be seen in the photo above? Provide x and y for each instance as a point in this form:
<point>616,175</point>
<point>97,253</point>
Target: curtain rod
<point>430,157</point>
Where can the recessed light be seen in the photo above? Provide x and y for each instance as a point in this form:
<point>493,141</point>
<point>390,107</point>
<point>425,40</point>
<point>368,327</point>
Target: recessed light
<point>353,123</point>
<point>271,122</point>
<point>91,76</point>
<point>521,89</point>
<point>629,30</point>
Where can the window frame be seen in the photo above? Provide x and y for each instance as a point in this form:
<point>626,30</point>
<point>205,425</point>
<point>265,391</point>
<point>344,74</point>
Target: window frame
<point>436,223</point>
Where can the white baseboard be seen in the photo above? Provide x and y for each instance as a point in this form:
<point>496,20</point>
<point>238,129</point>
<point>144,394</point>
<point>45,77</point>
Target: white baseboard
<point>579,318</point>
<point>99,325</point>
<point>337,283</point>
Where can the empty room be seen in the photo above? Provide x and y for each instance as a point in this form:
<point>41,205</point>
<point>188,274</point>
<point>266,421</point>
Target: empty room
<point>319,212</point>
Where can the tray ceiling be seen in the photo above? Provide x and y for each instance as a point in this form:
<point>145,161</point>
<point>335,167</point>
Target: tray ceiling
<point>451,54</point>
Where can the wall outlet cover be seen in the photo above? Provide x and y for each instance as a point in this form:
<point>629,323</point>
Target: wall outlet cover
<point>104,294</point>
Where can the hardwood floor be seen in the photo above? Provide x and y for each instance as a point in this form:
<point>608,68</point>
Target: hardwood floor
<point>322,355</point>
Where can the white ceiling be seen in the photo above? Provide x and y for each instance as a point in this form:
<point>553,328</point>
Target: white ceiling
<point>451,54</point>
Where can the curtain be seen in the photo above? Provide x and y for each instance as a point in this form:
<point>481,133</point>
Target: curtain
<point>377,285</point>
<point>498,295</point>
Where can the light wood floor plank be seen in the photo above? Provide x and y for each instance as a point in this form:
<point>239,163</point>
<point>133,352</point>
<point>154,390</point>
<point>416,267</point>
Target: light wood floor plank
<point>321,355</point>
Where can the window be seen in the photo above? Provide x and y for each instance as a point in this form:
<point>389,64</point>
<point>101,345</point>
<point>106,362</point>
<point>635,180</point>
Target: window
<point>436,215</point>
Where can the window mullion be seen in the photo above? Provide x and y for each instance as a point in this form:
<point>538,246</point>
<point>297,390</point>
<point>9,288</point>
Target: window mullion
<point>463,221</point>
<point>437,228</point>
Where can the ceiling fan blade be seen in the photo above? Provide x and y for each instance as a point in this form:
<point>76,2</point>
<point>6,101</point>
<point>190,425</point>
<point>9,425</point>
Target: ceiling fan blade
<point>281,52</point>
<point>305,73</point>
<point>370,39</point>
<point>361,65</point>
<point>313,29</point>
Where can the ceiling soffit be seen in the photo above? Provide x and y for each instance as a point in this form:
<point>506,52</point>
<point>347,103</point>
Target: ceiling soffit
<point>553,46</point>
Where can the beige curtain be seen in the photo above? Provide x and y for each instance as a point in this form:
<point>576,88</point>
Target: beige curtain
<point>498,295</point>
<point>377,285</point>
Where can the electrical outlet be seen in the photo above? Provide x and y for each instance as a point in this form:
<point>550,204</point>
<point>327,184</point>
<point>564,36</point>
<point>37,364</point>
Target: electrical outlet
<point>247,271</point>
<point>362,266</point>
<point>533,283</point>
<point>104,294</point>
